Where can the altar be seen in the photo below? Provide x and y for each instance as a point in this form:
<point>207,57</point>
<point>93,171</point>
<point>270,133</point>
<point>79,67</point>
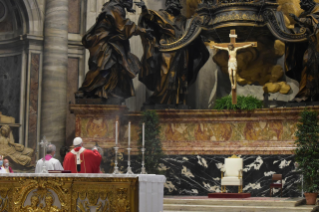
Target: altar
<point>81,192</point>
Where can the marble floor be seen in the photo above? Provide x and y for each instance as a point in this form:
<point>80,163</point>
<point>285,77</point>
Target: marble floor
<point>252,204</point>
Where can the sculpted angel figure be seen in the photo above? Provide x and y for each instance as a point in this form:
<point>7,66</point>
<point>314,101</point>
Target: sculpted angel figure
<point>309,62</point>
<point>169,74</point>
<point>111,63</point>
<point>232,62</point>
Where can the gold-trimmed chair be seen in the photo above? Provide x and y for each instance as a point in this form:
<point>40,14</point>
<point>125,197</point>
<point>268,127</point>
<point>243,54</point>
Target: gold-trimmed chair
<point>232,173</point>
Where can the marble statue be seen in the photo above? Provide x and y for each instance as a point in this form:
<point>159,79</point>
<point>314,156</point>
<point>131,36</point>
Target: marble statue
<point>169,74</point>
<point>6,119</point>
<point>17,153</point>
<point>111,63</point>
<point>309,79</point>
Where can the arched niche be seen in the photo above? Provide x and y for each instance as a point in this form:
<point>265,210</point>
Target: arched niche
<point>21,41</point>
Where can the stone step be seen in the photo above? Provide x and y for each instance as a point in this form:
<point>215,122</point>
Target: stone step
<point>233,208</point>
<point>279,203</point>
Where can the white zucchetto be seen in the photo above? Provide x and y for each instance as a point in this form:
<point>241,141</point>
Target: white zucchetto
<point>77,141</point>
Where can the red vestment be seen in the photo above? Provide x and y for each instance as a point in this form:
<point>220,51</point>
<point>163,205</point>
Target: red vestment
<point>90,160</point>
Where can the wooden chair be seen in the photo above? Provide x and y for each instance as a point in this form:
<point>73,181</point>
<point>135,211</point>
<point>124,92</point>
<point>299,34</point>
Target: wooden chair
<point>276,177</point>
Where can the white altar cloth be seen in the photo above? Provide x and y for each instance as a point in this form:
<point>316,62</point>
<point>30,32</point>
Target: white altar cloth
<point>151,192</point>
<point>151,186</point>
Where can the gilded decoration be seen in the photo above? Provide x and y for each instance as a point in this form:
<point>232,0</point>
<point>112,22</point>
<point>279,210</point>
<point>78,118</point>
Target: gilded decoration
<point>270,17</point>
<point>236,16</point>
<point>67,194</point>
<point>104,198</point>
<point>41,189</point>
<point>4,206</point>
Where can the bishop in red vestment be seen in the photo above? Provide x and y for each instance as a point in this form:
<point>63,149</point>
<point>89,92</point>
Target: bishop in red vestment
<point>81,160</point>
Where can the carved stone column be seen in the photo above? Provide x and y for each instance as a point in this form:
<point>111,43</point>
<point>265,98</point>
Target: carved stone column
<point>54,79</point>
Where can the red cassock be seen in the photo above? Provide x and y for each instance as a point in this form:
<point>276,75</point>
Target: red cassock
<point>84,160</point>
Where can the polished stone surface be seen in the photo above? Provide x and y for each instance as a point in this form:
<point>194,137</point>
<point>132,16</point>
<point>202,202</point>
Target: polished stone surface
<point>55,66</point>
<point>253,204</point>
<point>74,17</point>
<point>72,87</point>
<point>198,132</point>
<point>10,88</point>
<point>200,174</point>
<point>33,103</point>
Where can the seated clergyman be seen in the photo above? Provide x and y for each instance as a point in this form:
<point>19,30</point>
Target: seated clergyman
<point>6,165</point>
<point>50,162</point>
<point>2,170</point>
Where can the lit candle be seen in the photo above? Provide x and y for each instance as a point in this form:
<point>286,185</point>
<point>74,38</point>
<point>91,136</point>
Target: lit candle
<point>143,134</point>
<point>116,139</point>
<point>129,134</point>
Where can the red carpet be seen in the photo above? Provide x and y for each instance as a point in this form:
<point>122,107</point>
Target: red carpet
<point>229,195</point>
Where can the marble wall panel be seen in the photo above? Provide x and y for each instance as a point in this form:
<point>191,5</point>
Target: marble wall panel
<point>73,75</point>
<point>10,88</point>
<point>96,128</point>
<point>74,16</point>
<point>226,137</point>
<point>33,101</point>
<point>210,132</point>
<point>200,174</point>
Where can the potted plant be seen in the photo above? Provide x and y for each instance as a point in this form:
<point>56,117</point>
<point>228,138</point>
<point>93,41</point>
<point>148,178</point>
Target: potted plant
<point>243,103</point>
<point>307,153</point>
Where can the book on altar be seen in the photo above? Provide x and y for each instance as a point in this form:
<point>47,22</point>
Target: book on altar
<point>59,171</point>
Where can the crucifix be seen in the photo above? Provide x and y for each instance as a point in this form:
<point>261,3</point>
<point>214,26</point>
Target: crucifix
<point>232,49</point>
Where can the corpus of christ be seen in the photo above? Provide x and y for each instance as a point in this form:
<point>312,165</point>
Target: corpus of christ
<point>154,106</point>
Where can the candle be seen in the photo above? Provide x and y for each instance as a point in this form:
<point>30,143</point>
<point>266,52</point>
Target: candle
<point>129,134</point>
<point>143,134</point>
<point>116,139</point>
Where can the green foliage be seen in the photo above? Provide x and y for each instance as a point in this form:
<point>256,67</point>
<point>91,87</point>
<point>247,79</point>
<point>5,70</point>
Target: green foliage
<point>307,151</point>
<point>153,145</point>
<point>243,103</point>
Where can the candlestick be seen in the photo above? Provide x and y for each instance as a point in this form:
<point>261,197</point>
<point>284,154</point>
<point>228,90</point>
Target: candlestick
<point>44,143</point>
<point>116,132</point>
<point>116,168</point>
<point>143,134</point>
<point>129,169</point>
<point>129,134</point>
<point>143,171</point>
